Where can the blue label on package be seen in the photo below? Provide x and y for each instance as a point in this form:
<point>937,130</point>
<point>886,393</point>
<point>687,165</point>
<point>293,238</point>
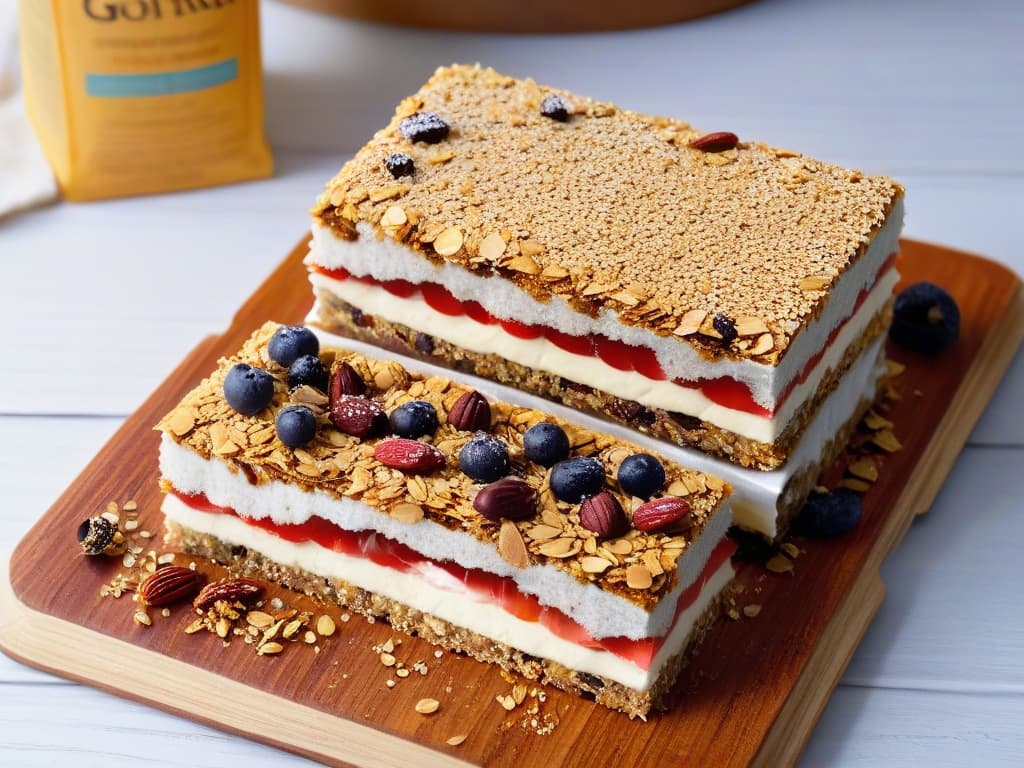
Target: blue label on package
<point>161,83</point>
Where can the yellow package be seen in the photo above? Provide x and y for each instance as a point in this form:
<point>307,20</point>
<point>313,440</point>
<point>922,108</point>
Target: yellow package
<point>137,96</point>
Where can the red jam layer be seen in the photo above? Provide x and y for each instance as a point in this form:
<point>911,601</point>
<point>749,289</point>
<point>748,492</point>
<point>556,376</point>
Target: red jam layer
<point>724,391</point>
<point>487,587</point>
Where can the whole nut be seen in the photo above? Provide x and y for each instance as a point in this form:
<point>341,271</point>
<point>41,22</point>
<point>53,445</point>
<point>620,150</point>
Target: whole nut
<point>345,381</point>
<point>410,456</point>
<point>657,514</point>
<point>471,412</point>
<point>603,515</point>
<point>169,585</point>
<point>358,416</point>
<point>509,498</point>
<point>718,141</point>
<point>228,590</point>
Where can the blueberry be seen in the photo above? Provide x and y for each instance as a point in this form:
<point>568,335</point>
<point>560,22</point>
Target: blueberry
<point>399,164</point>
<point>295,425</point>
<point>247,389</point>
<point>641,475</point>
<point>427,127</point>
<point>555,107</point>
<point>574,480</point>
<point>546,443</point>
<point>826,515</point>
<point>414,419</point>
<point>290,342</point>
<point>307,369</point>
<point>925,319</point>
<point>485,459</point>
<point>726,328</point>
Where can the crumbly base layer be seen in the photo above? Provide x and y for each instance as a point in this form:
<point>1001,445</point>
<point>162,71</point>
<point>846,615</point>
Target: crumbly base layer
<point>442,633</point>
<point>339,317</point>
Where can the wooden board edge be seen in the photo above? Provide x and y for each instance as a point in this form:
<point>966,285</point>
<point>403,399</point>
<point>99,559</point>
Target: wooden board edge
<point>128,671</point>
<point>971,399</point>
<point>799,715</point>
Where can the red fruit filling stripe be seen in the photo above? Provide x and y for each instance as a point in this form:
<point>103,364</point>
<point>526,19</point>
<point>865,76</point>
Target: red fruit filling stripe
<point>486,587</point>
<point>724,391</point>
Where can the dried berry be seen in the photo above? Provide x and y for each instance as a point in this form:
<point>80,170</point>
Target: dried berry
<point>509,498</point>
<point>471,412</point>
<point>410,456</point>
<point>427,127</point>
<point>831,514</point>
<point>641,475</point>
<point>424,344</point>
<point>307,369</point>
<point>726,328</point>
<point>399,164</point>
<point>659,514</point>
<point>485,459</point>
<point>295,425</point>
<point>358,416</point>
<point>169,585</point>
<point>99,536</point>
<point>555,107</point>
<point>247,389</point>
<point>228,590</point>
<point>715,142</point>
<point>575,479</point>
<point>925,319</point>
<point>345,381</point>
<point>603,515</point>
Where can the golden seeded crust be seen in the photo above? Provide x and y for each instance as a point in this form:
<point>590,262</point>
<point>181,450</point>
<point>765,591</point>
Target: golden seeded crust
<point>344,466</point>
<point>614,209</point>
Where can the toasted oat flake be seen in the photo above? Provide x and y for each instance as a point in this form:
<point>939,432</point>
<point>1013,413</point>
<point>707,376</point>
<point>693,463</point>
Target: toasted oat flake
<point>454,741</point>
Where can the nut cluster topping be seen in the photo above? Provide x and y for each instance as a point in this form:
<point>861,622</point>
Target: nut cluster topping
<point>228,591</point>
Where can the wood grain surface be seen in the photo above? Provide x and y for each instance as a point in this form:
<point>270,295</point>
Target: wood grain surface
<point>751,694</point>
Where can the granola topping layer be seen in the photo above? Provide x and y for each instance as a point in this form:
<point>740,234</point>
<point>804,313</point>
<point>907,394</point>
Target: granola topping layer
<point>754,234</point>
<point>344,466</point>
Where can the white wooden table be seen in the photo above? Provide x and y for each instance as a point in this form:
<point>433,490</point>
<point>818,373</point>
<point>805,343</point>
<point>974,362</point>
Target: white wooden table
<point>99,301</point>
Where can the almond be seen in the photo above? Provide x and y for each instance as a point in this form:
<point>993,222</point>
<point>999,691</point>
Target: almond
<point>471,412</point>
<point>603,515</point>
<point>509,498</point>
<point>169,585</point>
<point>409,455</point>
<point>345,381</point>
<point>358,416</point>
<point>660,513</point>
<point>228,590</point>
<point>719,141</point>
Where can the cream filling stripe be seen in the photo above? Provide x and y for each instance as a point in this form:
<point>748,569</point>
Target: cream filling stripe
<point>423,591</point>
<point>601,613</point>
<point>384,259</point>
<point>542,354</point>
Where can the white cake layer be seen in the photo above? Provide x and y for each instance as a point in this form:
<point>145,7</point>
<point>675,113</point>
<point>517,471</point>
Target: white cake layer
<point>601,613</point>
<point>755,493</point>
<point>385,259</point>
<point>434,591</point>
<point>541,354</point>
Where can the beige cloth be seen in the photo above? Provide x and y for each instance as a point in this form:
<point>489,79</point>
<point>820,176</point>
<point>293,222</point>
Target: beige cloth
<point>25,176</point>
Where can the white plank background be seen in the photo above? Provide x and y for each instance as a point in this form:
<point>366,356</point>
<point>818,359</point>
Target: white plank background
<point>99,301</point>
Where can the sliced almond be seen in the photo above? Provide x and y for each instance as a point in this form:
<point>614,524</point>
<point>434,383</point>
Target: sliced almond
<point>394,216</point>
<point>561,548</point>
<point>511,546</point>
<point>427,706</point>
<point>492,247</point>
<point>813,283</point>
<point>746,325</point>
<point>524,264</point>
<point>625,297</point>
<point>874,422</point>
<point>894,368</point>
<point>388,193</point>
<point>543,532</point>
<point>259,619</point>
<point>619,546</point>
<point>449,242</point>
<point>269,649</point>
<point>855,484</point>
<point>887,441</point>
<point>690,323</point>
<point>779,564</point>
<point>454,741</point>
<point>865,469</point>
<point>638,577</point>
<point>764,344</point>
<point>554,272</point>
<point>593,564</point>
<point>530,248</point>
<point>407,513</point>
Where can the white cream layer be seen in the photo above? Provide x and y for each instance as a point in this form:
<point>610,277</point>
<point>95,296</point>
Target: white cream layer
<point>756,494</point>
<point>385,259</point>
<point>542,354</point>
<point>433,591</point>
<point>601,613</point>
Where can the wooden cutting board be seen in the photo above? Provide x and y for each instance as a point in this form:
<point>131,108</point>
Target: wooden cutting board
<point>751,694</point>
